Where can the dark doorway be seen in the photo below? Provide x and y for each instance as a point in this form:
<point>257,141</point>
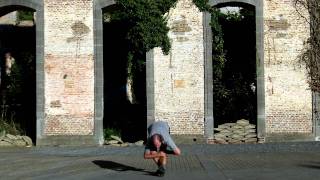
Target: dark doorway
<point>18,85</point>
<point>124,84</point>
<point>234,64</point>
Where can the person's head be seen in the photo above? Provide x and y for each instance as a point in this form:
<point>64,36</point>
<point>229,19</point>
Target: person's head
<point>157,140</point>
<point>7,55</point>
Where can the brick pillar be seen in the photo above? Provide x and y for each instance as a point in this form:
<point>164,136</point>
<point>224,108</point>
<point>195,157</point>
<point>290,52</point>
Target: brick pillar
<point>69,68</point>
<point>179,77</point>
<point>288,98</point>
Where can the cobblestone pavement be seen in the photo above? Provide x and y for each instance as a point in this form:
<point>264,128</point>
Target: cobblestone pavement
<point>226,162</point>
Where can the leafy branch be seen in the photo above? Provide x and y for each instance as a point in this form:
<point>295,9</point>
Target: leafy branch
<point>310,55</point>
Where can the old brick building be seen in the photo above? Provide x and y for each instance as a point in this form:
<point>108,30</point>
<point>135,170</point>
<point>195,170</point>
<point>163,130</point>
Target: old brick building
<point>69,67</point>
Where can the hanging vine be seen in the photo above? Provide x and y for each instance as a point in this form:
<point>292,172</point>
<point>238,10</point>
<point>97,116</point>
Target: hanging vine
<point>147,22</point>
<point>147,29</point>
<point>310,55</point>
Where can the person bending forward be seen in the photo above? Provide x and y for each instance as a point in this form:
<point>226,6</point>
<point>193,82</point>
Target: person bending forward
<point>159,144</point>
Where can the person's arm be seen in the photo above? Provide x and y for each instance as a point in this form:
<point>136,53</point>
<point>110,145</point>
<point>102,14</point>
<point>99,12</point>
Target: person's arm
<point>153,154</point>
<point>150,153</point>
<point>177,151</point>
<point>173,146</point>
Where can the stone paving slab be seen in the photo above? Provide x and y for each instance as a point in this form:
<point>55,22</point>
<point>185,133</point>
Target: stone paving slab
<point>197,162</point>
<point>111,167</point>
<point>256,166</point>
<point>187,149</point>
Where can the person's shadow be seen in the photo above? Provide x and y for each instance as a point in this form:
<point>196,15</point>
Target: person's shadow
<point>120,167</point>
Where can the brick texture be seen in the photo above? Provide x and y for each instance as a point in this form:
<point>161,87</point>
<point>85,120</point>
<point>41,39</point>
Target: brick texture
<point>179,77</point>
<point>288,98</point>
<point>69,67</point>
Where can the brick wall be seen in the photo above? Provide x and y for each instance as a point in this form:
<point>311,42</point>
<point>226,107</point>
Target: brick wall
<point>179,77</point>
<point>287,96</point>
<point>69,67</point>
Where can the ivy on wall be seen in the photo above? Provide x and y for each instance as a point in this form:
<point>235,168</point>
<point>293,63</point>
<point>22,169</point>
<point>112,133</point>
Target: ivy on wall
<point>148,22</point>
<point>310,55</point>
<point>147,29</point>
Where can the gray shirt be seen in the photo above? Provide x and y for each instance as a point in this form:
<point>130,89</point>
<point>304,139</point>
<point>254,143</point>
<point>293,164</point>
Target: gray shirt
<point>162,128</point>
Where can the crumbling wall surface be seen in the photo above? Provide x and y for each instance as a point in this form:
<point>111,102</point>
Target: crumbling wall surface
<point>179,76</point>
<point>288,100</point>
<point>69,67</point>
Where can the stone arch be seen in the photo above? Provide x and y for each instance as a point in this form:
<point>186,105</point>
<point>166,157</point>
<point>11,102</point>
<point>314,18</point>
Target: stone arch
<point>209,116</point>
<point>38,7</point>
<point>99,72</point>
<point>251,2</point>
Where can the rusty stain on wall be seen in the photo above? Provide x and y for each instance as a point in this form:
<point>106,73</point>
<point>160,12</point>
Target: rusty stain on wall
<point>182,39</point>
<point>55,104</point>
<point>80,30</point>
<point>281,24</point>
<point>180,26</point>
<point>179,83</point>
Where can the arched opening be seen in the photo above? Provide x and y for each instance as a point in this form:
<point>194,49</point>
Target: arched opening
<point>234,67</point>
<point>18,70</point>
<point>124,80</point>
<point>234,75</point>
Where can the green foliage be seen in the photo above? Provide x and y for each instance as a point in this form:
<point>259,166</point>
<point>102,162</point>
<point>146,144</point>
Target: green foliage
<point>218,54</point>
<point>203,5</point>
<point>108,132</point>
<point>221,94</point>
<point>232,95</point>
<point>13,82</point>
<point>148,23</point>
<point>147,29</point>
<point>25,15</point>
<point>15,87</point>
<point>310,55</point>
<point>10,127</point>
<point>19,79</point>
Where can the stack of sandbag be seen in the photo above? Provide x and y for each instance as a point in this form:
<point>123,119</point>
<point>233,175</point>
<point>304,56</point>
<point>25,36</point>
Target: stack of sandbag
<point>236,133</point>
<point>9,140</point>
<point>117,141</point>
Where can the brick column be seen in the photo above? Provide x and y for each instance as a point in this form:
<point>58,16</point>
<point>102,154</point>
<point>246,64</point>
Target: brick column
<point>179,77</point>
<point>69,68</point>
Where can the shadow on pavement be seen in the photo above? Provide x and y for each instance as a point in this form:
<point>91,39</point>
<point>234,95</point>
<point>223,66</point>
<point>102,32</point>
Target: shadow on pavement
<point>120,167</point>
<point>311,165</point>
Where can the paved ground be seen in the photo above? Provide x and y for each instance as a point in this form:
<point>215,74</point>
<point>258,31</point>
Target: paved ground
<point>300,161</point>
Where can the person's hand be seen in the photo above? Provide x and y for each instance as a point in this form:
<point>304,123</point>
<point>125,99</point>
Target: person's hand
<point>162,154</point>
<point>177,152</point>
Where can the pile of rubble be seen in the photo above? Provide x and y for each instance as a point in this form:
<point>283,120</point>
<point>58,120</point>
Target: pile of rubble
<point>9,140</point>
<point>236,133</point>
<point>117,141</point>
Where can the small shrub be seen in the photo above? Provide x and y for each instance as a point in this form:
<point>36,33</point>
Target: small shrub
<point>108,132</point>
<point>10,127</point>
